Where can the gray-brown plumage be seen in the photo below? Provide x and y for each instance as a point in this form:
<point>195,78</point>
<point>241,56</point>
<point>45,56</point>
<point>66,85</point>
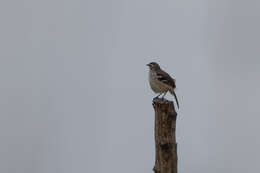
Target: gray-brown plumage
<point>160,81</point>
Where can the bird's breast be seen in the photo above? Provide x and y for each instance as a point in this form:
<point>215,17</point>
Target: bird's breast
<point>154,83</point>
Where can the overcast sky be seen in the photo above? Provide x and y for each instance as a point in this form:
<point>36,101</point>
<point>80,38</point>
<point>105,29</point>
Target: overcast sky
<point>74,86</point>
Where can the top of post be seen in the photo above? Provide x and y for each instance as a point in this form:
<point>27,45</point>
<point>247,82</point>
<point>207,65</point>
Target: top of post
<point>162,101</point>
<point>163,104</point>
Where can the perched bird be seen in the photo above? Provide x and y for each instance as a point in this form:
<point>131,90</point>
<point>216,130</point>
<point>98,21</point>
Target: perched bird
<point>160,81</point>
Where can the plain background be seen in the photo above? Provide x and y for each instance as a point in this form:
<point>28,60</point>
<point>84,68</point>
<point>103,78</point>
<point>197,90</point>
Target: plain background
<point>74,94</point>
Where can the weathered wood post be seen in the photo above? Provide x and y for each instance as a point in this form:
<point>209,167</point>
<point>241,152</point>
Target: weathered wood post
<point>165,139</point>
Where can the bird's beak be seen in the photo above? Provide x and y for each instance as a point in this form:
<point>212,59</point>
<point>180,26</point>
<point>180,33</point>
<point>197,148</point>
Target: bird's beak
<point>148,65</point>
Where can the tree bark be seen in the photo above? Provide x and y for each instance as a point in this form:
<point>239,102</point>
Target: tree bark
<point>165,138</point>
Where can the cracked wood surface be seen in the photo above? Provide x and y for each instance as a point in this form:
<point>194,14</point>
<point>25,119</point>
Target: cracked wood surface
<point>165,139</point>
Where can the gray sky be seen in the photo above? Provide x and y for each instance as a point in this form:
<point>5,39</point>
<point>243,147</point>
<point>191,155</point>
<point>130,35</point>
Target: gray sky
<point>74,90</point>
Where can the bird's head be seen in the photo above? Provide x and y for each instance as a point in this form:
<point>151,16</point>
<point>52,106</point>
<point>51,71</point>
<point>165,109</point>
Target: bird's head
<point>153,66</point>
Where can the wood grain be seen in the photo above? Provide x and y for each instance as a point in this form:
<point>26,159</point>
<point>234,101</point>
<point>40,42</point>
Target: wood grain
<point>165,139</point>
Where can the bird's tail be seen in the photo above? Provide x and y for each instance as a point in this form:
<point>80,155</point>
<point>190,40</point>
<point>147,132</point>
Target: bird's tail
<point>173,93</point>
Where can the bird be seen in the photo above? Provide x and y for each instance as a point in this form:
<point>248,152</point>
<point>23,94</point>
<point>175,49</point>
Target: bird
<point>161,82</point>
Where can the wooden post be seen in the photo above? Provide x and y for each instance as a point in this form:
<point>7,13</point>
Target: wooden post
<point>165,139</point>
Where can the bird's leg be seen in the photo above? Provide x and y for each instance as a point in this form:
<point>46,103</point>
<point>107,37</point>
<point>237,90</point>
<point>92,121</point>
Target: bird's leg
<point>164,95</point>
<point>158,96</point>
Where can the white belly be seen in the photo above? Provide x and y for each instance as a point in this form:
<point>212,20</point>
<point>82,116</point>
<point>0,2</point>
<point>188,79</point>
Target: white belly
<point>156,85</point>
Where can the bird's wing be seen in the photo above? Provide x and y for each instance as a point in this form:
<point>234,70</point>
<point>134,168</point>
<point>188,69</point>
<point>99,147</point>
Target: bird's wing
<point>165,78</point>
